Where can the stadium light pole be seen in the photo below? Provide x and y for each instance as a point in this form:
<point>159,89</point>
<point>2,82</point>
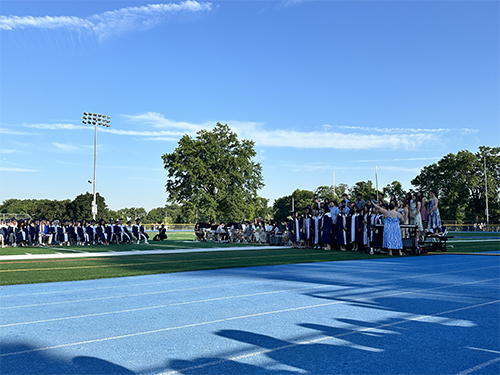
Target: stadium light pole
<point>486,192</point>
<point>95,119</point>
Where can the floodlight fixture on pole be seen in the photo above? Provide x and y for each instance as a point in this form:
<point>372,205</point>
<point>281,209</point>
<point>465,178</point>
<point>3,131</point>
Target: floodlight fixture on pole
<point>95,119</point>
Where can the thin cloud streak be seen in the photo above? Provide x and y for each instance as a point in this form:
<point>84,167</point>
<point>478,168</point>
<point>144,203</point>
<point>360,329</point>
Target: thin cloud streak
<point>463,131</point>
<point>109,23</point>
<point>357,138</point>
<point>9,169</point>
<point>325,167</point>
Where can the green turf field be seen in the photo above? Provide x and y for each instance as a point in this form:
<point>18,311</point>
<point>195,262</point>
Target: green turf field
<point>67,269</point>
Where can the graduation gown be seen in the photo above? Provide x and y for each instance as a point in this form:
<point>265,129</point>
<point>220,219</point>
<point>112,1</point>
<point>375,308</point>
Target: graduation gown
<point>343,225</point>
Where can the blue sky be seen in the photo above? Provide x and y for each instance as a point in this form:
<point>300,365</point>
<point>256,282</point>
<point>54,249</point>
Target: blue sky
<point>320,86</point>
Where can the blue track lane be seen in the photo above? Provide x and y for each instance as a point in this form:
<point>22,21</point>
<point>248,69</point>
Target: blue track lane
<point>414,315</point>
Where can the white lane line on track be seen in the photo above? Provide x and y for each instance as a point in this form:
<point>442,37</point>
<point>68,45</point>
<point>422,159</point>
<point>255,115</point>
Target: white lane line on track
<point>129,295</point>
<point>262,314</point>
<point>166,305</point>
<point>264,281</point>
<point>484,350</point>
<point>343,268</point>
<point>478,367</point>
<point>324,338</point>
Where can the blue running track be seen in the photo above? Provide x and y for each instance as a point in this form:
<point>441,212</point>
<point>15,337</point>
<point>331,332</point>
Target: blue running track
<point>410,315</point>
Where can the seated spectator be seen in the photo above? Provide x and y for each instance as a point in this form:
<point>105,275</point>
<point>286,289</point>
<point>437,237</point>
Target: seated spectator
<point>162,234</point>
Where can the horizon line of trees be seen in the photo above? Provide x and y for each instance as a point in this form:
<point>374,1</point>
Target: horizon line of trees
<point>459,179</point>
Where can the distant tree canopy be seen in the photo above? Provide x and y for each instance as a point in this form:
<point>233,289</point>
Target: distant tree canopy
<point>76,209</point>
<point>208,181</point>
<point>394,188</point>
<point>214,172</point>
<point>283,206</point>
<point>459,180</point>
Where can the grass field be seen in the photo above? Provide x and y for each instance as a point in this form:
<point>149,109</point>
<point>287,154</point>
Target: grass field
<point>65,269</point>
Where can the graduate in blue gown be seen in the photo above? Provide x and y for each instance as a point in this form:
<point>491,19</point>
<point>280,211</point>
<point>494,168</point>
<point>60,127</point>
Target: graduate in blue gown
<point>326,232</point>
<point>293,227</point>
<point>342,229</point>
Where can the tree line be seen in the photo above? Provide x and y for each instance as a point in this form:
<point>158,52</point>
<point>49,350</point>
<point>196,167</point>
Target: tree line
<point>79,209</point>
<point>213,177</point>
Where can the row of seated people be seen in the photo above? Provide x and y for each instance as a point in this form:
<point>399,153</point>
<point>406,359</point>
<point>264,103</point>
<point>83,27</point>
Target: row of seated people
<point>41,232</point>
<point>243,232</point>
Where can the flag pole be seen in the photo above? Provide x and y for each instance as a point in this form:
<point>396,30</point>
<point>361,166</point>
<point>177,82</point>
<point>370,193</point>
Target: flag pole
<point>376,183</point>
<point>334,193</point>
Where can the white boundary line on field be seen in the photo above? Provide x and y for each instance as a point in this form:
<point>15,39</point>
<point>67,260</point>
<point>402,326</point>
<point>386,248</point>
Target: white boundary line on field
<point>131,252</point>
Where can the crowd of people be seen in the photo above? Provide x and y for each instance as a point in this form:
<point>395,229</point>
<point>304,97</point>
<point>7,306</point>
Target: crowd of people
<point>41,232</point>
<point>372,225</point>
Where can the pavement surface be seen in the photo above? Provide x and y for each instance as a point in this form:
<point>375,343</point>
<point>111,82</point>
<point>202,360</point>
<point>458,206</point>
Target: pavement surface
<point>408,315</point>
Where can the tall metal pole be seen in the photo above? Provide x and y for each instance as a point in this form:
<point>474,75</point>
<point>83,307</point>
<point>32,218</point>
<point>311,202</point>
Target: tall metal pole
<point>486,192</point>
<point>95,119</point>
<point>334,193</point>
<point>94,201</point>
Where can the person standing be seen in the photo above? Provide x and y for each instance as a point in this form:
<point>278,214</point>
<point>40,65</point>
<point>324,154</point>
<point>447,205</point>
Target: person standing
<point>434,218</point>
<point>392,231</point>
<point>326,229</point>
<point>305,225</point>
<point>415,216</point>
<point>316,225</point>
<point>423,208</point>
<point>342,229</point>
<point>355,233</point>
<point>293,227</point>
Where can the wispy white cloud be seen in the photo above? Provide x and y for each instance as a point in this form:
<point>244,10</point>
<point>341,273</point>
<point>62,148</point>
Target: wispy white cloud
<point>7,131</point>
<point>462,131</point>
<point>65,147</point>
<point>288,3</point>
<point>328,167</point>
<point>160,128</point>
<point>392,160</point>
<point>157,120</point>
<point>109,23</point>
<point>57,126</point>
<point>13,169</point>
<point>8,151</point>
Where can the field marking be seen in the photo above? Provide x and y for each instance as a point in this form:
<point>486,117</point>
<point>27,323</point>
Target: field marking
<point>269,313</point>
<point>127,295</point>
<point>110,253</point>
<point>157,262</point>
<point>484,350</point>
<point>344,267</point>
<point>328,337</point>
<point>479,367</point>
<point>263,281</point>
<point>166,305</point>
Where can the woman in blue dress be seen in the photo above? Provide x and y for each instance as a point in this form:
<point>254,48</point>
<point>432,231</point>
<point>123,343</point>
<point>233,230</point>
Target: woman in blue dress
<point>434,219</point>
<point>392,230</point>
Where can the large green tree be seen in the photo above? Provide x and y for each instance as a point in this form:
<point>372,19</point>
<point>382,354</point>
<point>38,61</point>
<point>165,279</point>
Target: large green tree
<point>215,172</point>
<point>323,192</point>
<point>364,187</point>
<point>459,180</point>
<point>132,213</point>
<point>81,207</point>
<point>283,206</point>
<point>394,188</point>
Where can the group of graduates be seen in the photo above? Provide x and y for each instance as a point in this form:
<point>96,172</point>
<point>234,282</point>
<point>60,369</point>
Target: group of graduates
<point>41,232</point>
<point>356,225</point>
